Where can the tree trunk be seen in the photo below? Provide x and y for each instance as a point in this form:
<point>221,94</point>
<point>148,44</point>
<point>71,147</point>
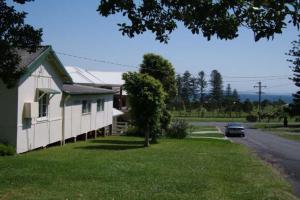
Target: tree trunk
<point>285,122</point>
<point>147,133</point>
<point>154,138</point>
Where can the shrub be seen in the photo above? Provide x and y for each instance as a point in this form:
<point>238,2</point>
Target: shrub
<point>178,129</point>
<point>251,118</point>
<point>6,150</point>
<point>134,131</point>
<point>297,119</point>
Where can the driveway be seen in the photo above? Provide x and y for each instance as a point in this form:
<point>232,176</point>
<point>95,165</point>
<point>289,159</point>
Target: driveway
<point>282,153</point>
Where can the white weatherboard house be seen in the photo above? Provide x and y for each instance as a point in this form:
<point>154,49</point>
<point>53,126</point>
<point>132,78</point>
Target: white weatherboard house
<point>46,107</point>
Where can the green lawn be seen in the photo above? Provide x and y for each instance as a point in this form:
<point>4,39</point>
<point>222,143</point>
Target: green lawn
<point>292,132</point>
<point>203,128</point>
<point>120,168</point>
<point>204,131</point>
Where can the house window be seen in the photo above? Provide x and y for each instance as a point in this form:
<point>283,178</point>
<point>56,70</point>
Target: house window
<point>43,104</point>
<point>86,107</point>
<point>100,105</point>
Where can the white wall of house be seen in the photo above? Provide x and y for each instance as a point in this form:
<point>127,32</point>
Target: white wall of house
<point>77,123</point>
<point>27,134</point>
<point>8,114</point>
<point>39,132</point>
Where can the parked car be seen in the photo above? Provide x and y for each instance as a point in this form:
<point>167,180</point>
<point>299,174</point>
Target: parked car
<point>232,129</point>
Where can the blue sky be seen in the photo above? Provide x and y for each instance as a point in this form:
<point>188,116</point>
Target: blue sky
<point>74,27</point>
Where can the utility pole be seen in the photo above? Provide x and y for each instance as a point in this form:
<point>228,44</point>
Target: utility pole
<point>259,86</point>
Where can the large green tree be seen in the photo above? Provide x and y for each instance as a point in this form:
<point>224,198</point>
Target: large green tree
<point>147,101</point>
<point>14,33</point>
<point>162,70</point>
<point>294,60</point>
<point>220,18</point>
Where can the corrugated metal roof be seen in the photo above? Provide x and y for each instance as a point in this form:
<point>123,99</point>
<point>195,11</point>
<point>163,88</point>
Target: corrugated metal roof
<point>109,78</point>
<point>80,75</point>
<point>75,89</point>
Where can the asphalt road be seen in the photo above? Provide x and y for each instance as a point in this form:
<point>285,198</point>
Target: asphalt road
<point>281,153</point>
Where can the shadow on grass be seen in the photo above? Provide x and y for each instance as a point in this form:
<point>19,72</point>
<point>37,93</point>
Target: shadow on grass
<point>115,145</point>
<point>118,142</point>
<point>111,147</point>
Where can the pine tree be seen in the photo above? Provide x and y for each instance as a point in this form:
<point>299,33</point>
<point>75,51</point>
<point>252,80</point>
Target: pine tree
<point>228,99</point>
<point>178,100</point>
<point>202,86</point>
<point>294,54</point>
<point>228,91</point>
<point>216,92</point>
<point>186,87</point>
<point>235,96</point>
<point>194,87</point>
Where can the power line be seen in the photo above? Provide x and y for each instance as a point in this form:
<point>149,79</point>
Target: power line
<point>257,77</point>
<point>97,60</point>
<point>108,62</point>
<point>276,86</point>
<point>254,78</point>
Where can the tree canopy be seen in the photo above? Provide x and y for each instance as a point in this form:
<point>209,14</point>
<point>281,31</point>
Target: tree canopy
<point>146,98</point>
<point>221,18</point>
<point>162,70</point>
<point>14,33</point>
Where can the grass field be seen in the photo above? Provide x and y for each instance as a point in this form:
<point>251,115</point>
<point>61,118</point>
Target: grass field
<point>204,131</point>
<point>292,132</point>
<point>120,168</point>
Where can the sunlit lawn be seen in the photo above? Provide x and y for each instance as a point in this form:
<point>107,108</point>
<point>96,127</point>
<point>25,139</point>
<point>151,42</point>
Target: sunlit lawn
<point>120,168</point>
<point>292,132</point>
<point>204,131</point>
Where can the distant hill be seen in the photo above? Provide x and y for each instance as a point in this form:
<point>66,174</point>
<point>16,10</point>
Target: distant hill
<point>271,97</point>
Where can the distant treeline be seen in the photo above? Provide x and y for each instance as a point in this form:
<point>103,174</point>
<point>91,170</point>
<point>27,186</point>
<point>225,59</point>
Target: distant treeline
<point>207,94</point>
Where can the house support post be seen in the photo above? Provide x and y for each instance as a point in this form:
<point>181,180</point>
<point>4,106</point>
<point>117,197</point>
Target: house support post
<point>64,99</point>
<point>110,129</point>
